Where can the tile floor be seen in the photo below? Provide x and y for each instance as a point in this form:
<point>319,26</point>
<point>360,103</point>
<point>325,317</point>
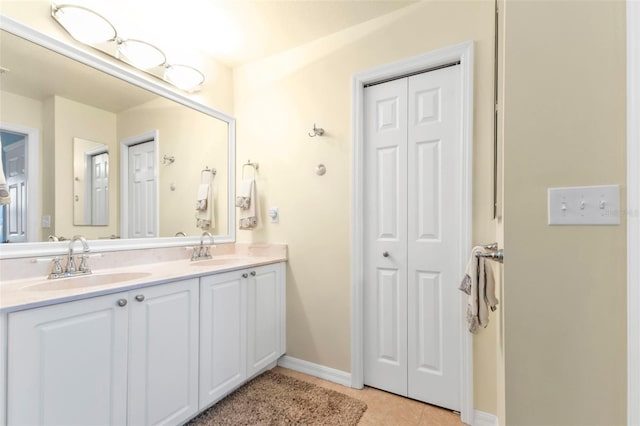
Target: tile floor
<point>385,408</point>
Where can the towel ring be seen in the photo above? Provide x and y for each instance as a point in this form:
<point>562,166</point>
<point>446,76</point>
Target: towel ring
<point>255,167</point>
<point>208,170</point>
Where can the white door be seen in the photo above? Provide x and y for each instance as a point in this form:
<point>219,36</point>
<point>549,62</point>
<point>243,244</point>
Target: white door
<point>67,364</point>
<point>412,309</point>
<point>163,360</point>
<point>142,191</point>
<point>223,335</point>
<point>100,189</point>
<point>265,292</point>
<point>16,212</point>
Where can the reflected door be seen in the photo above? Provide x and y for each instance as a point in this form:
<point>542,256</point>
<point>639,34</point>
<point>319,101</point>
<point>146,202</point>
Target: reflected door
<point>142,191</point>
<point>15,216</point>
<point>412,237</point>
<point>100,189</point>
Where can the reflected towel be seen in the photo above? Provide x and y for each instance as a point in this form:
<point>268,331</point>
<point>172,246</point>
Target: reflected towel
<point>205,218</point>
<point>5,197</point>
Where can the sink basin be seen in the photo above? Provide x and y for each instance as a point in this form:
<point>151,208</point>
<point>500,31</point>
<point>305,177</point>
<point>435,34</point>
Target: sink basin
<point>88,281</point>
<point>221,261</point>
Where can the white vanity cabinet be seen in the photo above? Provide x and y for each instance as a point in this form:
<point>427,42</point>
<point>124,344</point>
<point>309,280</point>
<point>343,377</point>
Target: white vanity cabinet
<point>266,316</point>
<point>163,354</point>
<point>223,335</point>
<point>67,363</point>
<point>125,358</point>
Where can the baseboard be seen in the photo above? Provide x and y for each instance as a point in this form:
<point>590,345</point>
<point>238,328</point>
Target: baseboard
<point>480,418</point>
<point>316,370</point>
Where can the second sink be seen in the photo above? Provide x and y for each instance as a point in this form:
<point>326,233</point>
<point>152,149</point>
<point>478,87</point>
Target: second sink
<point>88,281</point>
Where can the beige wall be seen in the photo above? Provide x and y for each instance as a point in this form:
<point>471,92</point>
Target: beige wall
<point>278,100</point>
<point>565,286</point>
<point>196,141</point>
<point>75,120</point>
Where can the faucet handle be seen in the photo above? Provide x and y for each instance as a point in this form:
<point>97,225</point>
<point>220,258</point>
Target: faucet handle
<point>56,267</point>
<point>84,265</point>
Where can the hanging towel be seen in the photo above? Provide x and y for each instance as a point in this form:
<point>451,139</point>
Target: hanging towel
<point>249,216</point>
<point>479,284</point>
<point>205,219</point>
<point>244,199</point>
<point>203,197</point>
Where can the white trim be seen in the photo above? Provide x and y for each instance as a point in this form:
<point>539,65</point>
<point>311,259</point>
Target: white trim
<point>480,418</point>
<point>18,250</point>
<point>315,370</point>
<point>633,209</point>
<point>33,176</point>
<point>150,136</point>
<point>462,52</point>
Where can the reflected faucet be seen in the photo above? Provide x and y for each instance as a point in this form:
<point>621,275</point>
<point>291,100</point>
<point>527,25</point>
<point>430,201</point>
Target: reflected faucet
<point>71,264</point>
<point>203,252</point>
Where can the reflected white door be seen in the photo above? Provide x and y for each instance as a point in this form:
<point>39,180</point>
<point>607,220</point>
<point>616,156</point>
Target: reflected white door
<point>142,191</point>
<point>412,235</point>
<point>16,212</point>
<point>100,189</point>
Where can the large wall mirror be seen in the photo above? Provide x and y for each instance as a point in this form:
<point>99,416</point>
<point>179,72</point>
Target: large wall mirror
<point>91,148</point>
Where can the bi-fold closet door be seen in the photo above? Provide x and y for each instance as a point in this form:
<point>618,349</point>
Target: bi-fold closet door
<point>412,163</point>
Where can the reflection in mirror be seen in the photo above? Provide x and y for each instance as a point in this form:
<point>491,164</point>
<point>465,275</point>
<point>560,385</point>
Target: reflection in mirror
<point>101,143</point>
<point>90,183</point>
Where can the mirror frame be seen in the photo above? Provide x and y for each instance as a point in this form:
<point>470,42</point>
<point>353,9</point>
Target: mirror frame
<point>35,249</point>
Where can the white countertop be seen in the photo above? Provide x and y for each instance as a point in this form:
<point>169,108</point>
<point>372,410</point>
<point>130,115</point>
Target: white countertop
<point>38,291</point>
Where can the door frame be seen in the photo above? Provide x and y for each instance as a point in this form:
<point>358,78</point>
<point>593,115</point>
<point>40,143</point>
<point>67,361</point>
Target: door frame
<point>33,175</point>
<point>150,136</point>
<point>463,53</point>
<point>633,212</point>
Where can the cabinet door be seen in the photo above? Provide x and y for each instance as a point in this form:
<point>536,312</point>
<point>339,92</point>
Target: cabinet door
<point>223,337</point>
<point>265,286</point>
<point>163,360</point>
<point>68,364</point>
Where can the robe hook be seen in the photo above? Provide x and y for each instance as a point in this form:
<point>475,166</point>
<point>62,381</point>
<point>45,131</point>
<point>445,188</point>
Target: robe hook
<point>317,131</point>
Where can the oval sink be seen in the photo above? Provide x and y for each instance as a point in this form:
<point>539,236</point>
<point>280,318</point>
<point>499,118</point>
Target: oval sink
<point>220,261</point>
<point>88,281</point>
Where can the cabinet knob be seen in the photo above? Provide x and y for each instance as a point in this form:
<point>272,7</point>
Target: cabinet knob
<point>140,297</point>
<point>122,302</point>
<point>253,273</point>
<point>385,254</point>
<point>245,275</point>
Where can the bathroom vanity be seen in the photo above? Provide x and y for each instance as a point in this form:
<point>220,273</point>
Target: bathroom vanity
<point>151,343</point>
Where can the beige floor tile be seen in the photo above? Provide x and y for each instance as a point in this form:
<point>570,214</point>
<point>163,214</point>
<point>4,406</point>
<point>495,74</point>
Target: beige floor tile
<point>386,409</point>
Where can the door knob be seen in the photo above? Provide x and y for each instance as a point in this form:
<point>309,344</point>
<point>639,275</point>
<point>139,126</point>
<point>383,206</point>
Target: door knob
<point>122,302</point>
<point>140,297</point>
<point>385,254</point>
<point>253,273</point>
<point>245,275</point>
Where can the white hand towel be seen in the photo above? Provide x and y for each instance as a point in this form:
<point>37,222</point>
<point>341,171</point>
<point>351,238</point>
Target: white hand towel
<point>479,284</point>
<point>249,216</point>
<point>243,200</point>
<point>203,196</point>
<point>5,197</point>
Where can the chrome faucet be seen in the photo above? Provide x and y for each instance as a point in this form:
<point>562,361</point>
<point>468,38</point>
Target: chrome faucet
<point>203,252</point>
<point>71,264</point>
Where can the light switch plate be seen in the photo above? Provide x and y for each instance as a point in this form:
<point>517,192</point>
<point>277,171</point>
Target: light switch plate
<point>585,205</point>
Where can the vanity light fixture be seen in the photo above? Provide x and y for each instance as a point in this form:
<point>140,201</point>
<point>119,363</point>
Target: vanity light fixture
<point>94,30</point>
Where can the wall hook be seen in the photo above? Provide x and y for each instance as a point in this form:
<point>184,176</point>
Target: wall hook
<point>166,159</point>
<point>317,131</point>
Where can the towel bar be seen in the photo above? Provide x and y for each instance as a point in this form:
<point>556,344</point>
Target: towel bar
<point>497,255</point>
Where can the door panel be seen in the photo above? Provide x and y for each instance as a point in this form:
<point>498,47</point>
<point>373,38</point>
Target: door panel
<point>434,168</point>
<point>385,230</point>
<point>142,191</point>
